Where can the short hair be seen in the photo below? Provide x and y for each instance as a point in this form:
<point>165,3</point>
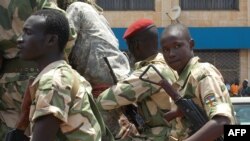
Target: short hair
<point>56,23</point>
<point>179,27</point>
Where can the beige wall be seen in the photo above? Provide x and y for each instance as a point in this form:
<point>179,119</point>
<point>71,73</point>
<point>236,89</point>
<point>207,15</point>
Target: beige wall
<point>190,18</point>
<point>125,18</point>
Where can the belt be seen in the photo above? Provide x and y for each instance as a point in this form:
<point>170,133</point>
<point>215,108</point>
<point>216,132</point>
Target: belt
<point>99,88</point>
<point>17,65</point>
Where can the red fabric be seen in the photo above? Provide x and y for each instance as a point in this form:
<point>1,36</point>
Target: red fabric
<point>137,26</point>
<point>99,88</point>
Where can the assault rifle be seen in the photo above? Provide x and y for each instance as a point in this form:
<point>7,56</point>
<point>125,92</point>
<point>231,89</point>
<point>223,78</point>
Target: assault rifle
<point>130,110</point>
<point>190,110</point>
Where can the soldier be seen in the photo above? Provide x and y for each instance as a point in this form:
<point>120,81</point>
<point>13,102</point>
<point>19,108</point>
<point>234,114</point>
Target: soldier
<point>201,82</point>
<point>14,72</point>
<point>62,104</point>
<point>94,41</point>
<point>152,102</point>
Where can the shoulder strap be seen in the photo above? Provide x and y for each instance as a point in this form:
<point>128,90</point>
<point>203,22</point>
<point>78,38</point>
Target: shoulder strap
<point>105,131</point>
<point>75,86</point>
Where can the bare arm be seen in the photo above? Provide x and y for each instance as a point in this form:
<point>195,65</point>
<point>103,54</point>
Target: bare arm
<point>213,129</point>
<point>45,128</point>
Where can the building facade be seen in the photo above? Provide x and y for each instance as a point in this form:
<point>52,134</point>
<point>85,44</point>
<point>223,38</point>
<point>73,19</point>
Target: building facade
<point>219,27</point>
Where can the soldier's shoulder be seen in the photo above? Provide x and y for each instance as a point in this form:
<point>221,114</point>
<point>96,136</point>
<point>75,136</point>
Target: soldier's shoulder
<point>61,75</point>
<point>204,69</point>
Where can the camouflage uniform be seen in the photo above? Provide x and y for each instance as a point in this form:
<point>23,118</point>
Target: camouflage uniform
<point>151,99</point>
<point>94,41</point>
<point>14,72</point>
<point>51,93</point>
<point>204,84</point>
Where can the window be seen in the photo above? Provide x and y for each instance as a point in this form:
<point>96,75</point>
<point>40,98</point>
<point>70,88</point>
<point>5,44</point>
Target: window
<point>209,4</point>
<point>123,5</point>
<point>226,61</point>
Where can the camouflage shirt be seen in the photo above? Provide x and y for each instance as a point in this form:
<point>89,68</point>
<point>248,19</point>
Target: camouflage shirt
<point>151,99</point>
<point>95,40</point>
<point>204,84</point>
<point>51,93</point>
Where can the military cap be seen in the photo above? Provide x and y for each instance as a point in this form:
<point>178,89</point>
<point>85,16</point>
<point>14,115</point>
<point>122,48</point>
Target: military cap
<point>137,26</point>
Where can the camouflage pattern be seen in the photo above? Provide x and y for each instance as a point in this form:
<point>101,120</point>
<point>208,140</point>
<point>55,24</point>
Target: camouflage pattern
<point>14,76</point>
<point>51,93</point>
<point>13,15</point>
<point>12,88</point>
<point>205,85</point>
<point>152,101</point>
<point>94,41</point>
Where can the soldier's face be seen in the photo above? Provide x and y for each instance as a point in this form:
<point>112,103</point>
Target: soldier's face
<point>33,40</point>
<point>177,50</point>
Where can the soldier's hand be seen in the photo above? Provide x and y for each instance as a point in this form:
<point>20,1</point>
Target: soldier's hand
<point>127,128</point>
<point>173,114</point>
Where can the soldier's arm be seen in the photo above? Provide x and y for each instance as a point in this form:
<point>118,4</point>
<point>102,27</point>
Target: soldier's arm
<point>45,128</point>
<point>53,96</point>
<point>213,129</point>
<point>128,91</point>
<point>217,105</point>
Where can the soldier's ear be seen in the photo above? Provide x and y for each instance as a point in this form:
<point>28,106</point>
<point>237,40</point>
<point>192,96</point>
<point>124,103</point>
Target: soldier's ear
<point>52,39</point>
<point>191,43</point>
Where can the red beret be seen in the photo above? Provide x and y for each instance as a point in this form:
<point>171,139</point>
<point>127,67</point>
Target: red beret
<point>139,25</point>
